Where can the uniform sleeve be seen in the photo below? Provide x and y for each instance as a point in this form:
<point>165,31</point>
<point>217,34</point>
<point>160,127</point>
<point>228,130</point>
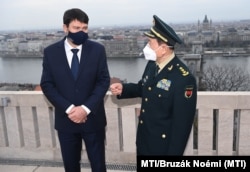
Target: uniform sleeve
<point>131,90</point>
<point>184,109</point>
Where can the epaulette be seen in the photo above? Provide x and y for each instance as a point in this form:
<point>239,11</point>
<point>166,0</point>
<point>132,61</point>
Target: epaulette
<point>184,72</point>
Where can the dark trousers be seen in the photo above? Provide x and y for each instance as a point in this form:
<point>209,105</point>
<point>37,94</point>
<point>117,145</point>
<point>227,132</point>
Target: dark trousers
<point>71,147</point>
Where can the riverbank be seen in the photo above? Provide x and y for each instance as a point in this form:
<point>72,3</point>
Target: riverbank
<point>35,87</point>
<point>17,87</point>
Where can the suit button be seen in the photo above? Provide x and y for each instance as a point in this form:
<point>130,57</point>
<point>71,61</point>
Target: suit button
<point>146,99</point>
<point>149,88</point>
<point>163,136</point>
<point>143,110</point>
<point>141,121</point>
<point>159,95</point>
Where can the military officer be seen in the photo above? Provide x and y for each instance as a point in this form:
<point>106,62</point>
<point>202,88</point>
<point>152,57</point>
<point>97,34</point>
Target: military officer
<point>168,92</point>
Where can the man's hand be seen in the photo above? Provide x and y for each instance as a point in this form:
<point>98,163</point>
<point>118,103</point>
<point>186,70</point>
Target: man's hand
<point>78,115</point>
<point>116,88</point>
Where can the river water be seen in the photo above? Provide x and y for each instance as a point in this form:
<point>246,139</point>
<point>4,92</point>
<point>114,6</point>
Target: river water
<point>28,70</point>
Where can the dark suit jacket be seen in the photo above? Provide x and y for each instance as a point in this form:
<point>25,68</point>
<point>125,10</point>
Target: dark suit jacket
<point>60,88</point>
<point>167,110</point>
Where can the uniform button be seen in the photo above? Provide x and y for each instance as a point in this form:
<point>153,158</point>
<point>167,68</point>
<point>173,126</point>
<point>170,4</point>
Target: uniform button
<point>146,99</point>
<point>141,121</point>
<point>149,88</point>
<point>143,110</point>
<point>159,95</point>
<point>163,136</point>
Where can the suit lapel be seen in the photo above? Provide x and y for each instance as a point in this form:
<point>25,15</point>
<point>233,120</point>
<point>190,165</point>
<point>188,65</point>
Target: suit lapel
<point>84,55</point>
<point>149,77</point>
<point>163,73</point>
<point>63,58</point>
<point>167,69</point>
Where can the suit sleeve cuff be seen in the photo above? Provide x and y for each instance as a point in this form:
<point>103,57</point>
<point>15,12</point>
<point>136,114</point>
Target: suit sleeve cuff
<point>86,109</point>
<point>69,108</point>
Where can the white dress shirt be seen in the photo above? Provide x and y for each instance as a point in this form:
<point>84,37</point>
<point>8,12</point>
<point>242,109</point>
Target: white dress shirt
<point>69,55</point>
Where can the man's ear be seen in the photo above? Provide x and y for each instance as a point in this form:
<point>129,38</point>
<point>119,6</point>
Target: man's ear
<point>65,29</point>
<point>164,48</point>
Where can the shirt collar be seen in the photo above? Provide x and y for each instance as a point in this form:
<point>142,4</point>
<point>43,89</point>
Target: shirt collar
<point>166,61</point>
<point>68,47</point>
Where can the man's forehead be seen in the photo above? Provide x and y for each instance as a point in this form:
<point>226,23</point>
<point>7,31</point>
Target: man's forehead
<point>78,24</point>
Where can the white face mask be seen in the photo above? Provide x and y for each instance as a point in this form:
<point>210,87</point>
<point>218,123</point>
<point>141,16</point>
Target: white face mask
<point>149,53</point>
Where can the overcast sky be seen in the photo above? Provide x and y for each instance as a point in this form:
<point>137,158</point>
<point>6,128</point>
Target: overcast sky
<point>47,14</point>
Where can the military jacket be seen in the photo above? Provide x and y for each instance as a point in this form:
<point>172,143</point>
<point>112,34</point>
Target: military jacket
<point>168,108</point>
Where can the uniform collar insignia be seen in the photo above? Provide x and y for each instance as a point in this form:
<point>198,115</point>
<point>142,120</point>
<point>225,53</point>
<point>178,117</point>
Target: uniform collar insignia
<point>170,67</point>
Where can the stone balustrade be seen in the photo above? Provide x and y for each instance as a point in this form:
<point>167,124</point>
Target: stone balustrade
<point>222,127</point>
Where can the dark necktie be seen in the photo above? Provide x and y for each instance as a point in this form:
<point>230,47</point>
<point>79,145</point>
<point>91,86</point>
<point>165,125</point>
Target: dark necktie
<point>75,63</point>
<point>157,68</point>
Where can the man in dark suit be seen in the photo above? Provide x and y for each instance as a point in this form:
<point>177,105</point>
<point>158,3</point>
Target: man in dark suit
<point>168,91</point>
<point>78,96</point>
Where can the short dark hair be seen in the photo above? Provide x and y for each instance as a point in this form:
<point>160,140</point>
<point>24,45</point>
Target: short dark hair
<point>75,14</point>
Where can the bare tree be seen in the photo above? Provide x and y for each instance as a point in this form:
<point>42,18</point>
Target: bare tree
<point>225,78</point>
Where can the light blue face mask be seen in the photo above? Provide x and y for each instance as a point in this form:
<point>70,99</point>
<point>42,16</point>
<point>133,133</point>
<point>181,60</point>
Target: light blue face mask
<point>78,38</point>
